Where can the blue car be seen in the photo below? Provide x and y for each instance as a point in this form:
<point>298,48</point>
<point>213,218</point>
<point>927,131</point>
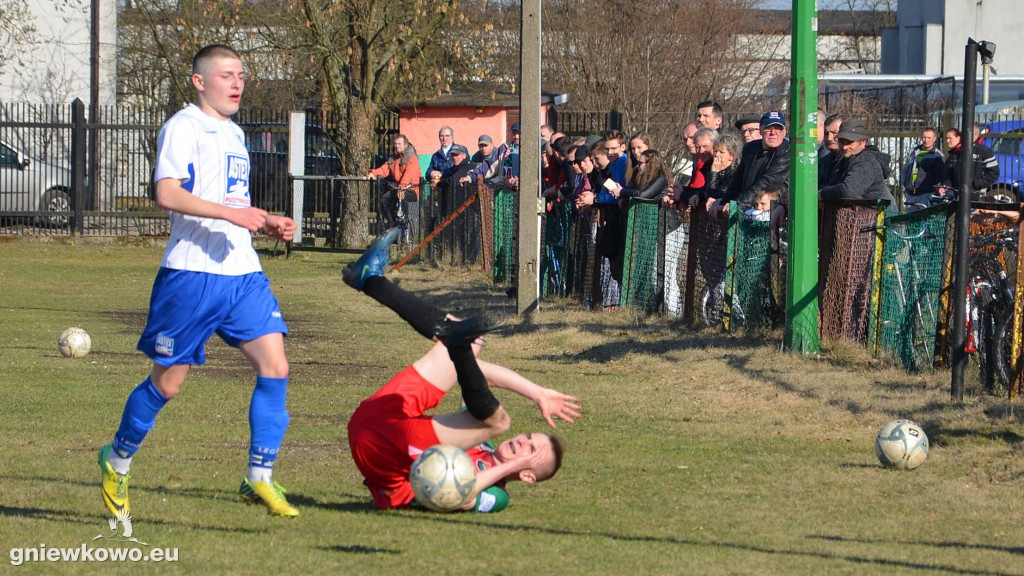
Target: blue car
<point>1006,139</point>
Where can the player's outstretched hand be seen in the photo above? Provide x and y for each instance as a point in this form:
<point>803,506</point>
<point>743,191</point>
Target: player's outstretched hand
<point>250,218</point>
<point>280,227</point>
<point>553,403</point>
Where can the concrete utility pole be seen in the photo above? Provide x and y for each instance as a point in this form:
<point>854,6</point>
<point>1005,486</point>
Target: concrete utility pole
<point>802,270</point>
<point>529,159</point>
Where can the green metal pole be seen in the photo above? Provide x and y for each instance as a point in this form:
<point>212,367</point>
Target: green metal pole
<point>802,271</point>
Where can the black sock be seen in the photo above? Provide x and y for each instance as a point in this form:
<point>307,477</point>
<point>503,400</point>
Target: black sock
<point>479,399</point>
<point>420,314</point>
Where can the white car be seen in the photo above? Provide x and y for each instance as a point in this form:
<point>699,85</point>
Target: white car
<point>30,185</point>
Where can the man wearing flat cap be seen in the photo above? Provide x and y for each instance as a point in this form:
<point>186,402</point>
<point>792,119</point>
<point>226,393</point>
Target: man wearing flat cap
<point>749,128</point>
<point>454,192</point>
<point>764,165</point>
<point>861,171</point>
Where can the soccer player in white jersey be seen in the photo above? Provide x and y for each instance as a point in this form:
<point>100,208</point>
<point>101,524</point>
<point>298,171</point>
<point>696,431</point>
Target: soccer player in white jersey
<point>210,281</point>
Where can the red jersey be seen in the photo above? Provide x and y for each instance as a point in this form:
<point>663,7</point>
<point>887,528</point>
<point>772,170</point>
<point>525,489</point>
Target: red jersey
<point>389,430</point>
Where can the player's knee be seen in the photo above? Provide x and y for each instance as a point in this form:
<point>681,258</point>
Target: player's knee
<point>275,369</point>
<point>168,381</point>
<point>499,422</point>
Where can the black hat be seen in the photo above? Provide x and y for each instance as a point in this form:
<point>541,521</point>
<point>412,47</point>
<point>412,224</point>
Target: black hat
<point>852,129</point>
<point>746,120</point>
<point>581,154</point>
<point>458,149</point>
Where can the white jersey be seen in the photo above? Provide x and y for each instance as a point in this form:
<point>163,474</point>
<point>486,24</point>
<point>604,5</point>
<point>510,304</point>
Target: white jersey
<point>209,155</point>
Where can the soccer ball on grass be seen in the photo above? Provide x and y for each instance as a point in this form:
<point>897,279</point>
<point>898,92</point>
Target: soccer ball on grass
<point>74,343</point>
<point>901,444</point>
<point>442,478</point>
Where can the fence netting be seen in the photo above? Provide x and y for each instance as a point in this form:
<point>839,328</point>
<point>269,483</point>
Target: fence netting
<point>704,287</point>
<point>909,284</point>
<point>505,248</point>
<point>754,295</point>
<point>641,290</point>
<point>844,269</point>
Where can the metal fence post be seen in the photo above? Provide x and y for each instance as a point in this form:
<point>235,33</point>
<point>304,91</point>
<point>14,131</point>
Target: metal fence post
<point>78,165</point>
<point>297,167</point>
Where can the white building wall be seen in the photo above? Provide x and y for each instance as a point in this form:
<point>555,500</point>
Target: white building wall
<point>930,35</point>
<point>57,68</point>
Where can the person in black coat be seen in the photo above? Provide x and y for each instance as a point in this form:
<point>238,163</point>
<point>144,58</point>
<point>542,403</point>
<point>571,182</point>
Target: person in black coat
<point>860,174</point>
<point>764,164</point>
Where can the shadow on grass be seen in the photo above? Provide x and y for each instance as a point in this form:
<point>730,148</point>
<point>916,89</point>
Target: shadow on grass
<point>356,549</point>
<point>355,504</point>
<point>64,516</point>
<point>853,559</point>
<point>954,545</point>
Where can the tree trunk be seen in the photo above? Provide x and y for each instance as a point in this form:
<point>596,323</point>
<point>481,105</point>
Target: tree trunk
<point>358,203</point>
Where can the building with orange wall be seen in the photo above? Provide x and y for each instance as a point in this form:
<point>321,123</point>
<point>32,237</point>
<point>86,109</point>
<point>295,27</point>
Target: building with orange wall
<point>468,117</point>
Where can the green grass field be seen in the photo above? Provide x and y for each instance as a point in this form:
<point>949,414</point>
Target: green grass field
<point>698,453</point>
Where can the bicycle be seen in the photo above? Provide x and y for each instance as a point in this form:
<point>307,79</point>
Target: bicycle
<point>990,306</point>
<point>394,211</point>
<point>915,335</point>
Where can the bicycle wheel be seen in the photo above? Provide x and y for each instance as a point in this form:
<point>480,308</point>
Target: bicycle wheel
<point>986,350</point>
<point>709,304</point>
<point>1002,350</point>
<point>921,343</point>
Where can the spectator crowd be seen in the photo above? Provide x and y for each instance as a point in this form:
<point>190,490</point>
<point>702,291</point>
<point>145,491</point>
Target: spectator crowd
<point>747,162</point>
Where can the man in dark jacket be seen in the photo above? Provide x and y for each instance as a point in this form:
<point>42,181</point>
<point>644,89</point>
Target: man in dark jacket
<point>922,171</point>
<point>860,174</point>
<point>764,164</point>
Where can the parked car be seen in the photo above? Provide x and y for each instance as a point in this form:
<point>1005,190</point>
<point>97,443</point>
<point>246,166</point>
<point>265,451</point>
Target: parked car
<point>269,187</point>
<point>30,185</point>
<point>1006,139</point>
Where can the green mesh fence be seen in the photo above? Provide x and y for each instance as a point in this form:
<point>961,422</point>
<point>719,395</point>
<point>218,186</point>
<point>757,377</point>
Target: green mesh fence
<point>752,275</point>
<point>504,236</point>
<point>640,282</point>
<point>910,283</point>
<point>703,291</point>
<point>556,270</point>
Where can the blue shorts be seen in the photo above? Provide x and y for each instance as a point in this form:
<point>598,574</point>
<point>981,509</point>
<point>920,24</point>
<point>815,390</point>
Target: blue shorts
<point>186,308</point>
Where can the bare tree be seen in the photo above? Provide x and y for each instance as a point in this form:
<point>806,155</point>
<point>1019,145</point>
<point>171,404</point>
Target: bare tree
<point>654,61</point>
<point>16,31</point>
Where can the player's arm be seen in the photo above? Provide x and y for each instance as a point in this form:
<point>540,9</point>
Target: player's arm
<point>552,403</point>
<point>170,195</point>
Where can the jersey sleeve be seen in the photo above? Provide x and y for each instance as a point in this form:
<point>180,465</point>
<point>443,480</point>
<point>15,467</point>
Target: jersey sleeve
<point>175,147</point>
<point>493,499</point>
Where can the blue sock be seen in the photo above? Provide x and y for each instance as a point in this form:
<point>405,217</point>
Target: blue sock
<point>268,420</point>
<point>138,417</point>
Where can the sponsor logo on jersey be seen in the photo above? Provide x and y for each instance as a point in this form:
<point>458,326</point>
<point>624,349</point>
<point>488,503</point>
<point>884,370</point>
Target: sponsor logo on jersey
<point>237,172</point>
<point>164,345</point>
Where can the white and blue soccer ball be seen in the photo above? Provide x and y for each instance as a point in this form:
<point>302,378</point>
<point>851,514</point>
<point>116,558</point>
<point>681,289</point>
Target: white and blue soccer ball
<point>442,478</point>
<point>74,343</point>
<point>901,444</point>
